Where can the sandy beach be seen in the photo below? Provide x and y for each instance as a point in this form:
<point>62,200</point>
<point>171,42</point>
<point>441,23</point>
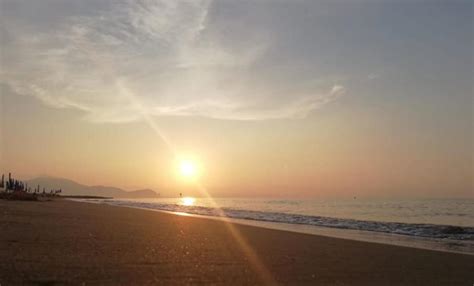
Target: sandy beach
<point>64,242</point>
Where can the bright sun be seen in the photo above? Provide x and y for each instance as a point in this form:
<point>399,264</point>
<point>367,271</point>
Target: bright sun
<point>187,169</point>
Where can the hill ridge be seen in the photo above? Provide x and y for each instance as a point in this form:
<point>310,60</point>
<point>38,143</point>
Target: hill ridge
<point>71,187</point>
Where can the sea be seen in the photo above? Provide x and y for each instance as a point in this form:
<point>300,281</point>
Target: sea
<point>436,224</point>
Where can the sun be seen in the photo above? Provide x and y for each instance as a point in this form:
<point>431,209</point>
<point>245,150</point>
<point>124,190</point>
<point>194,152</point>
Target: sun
<point>187,169</point>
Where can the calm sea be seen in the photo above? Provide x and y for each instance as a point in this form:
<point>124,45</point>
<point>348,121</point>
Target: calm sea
<point>443,224</point>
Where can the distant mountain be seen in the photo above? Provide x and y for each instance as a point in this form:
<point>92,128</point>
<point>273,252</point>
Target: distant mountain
<point>72,188</point>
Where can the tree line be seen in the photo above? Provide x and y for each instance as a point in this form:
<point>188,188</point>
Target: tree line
<point>12,185</point>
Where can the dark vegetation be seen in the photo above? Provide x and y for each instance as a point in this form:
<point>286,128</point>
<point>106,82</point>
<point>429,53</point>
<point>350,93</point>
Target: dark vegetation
<point>12,189</point>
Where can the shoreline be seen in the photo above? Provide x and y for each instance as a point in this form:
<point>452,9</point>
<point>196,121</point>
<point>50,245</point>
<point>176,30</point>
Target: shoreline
<point>442,245</point>
<point>67,242</point>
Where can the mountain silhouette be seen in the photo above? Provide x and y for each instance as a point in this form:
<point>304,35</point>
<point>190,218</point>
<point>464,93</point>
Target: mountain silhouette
<point>71,188</point>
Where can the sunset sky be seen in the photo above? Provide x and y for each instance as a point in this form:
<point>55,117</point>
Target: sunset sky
<point>267,98</point>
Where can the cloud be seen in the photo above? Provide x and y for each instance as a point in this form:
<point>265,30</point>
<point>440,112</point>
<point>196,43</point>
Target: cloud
<point>155,58</point>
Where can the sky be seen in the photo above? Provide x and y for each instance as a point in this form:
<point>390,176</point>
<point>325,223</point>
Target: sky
<point>267,98</point>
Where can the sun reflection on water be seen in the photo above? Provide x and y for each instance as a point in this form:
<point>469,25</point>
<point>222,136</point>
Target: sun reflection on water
<point>187,201</point>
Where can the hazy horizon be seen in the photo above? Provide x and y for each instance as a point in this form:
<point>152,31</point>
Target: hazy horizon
<point>285,99</point>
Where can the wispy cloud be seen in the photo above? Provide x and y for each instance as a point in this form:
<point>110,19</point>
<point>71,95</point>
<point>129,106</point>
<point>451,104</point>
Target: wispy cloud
<point>162,52</point>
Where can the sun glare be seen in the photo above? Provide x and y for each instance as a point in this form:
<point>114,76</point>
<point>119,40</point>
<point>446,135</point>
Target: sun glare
<point>187,201</point>
<point>187,169</point>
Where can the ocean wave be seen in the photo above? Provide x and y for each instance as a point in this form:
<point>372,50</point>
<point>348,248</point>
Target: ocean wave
<point>417,230</point>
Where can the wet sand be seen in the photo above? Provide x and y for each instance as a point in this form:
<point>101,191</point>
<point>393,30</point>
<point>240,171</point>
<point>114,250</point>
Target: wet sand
<point>64,242</point>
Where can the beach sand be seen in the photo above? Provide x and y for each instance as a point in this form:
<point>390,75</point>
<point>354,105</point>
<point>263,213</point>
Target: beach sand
<point>64,242</point>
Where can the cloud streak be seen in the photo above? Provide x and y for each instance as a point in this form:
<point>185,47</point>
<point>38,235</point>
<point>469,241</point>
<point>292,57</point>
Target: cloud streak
<point>166,53</point>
